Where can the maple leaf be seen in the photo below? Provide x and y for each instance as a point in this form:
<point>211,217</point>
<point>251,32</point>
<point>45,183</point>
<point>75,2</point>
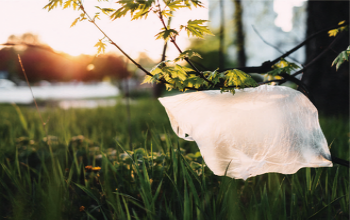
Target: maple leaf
<point>196,29</point>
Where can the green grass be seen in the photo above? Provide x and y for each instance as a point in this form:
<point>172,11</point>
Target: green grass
<point>152,175</point>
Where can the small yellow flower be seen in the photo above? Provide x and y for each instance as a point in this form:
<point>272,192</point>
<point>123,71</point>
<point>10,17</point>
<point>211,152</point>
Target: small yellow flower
<point>96,168</point>
<point>82,208</point>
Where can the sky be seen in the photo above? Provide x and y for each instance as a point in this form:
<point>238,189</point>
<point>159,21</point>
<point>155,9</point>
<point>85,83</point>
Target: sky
<point>53,28</point>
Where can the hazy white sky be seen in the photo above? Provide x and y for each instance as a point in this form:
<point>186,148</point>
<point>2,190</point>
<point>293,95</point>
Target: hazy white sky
<point>284,10</point>
<point>53,28</point>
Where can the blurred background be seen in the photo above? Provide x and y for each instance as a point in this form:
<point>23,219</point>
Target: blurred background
<point>101,143</point>
<point>62,63</point>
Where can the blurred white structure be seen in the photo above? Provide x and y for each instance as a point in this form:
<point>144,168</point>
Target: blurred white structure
<point>9,93</point>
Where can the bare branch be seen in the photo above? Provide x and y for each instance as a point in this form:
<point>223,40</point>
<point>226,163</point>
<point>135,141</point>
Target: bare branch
<point>318,56</point>
<point>266,66</point>
<point>271,45</point>
<point>307,40</point>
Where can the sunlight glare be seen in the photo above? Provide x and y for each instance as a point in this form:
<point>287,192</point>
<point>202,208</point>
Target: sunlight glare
<point>90,67</point>
<point>53,28</point>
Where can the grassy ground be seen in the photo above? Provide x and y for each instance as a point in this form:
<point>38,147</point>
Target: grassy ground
<point>90,168</point>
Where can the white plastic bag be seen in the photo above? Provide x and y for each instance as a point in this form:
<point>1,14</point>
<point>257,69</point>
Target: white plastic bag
<point>257,130</point>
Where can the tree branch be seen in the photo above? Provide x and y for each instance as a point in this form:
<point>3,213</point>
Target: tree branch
<point>307,40</point>
<point>318,56</point>
<point>112,42</point>
<point>271,45</point>
<point>266,66</point>
<point>122,51</point>
<point>173,40</point>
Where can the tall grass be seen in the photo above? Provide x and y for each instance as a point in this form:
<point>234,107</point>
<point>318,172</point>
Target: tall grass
<point>93,174</point>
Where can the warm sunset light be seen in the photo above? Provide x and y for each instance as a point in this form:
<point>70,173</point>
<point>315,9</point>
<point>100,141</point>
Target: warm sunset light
<point>53,28</point>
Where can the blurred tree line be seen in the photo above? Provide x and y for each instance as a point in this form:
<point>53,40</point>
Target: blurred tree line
<point>42,63</point>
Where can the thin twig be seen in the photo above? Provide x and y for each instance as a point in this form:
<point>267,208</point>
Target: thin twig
<point>271,45</point>
<point>112,42</point>
<point>122,51</point>
<point>36,105</point>
<point>173,40</point>
<point>274,80</point>
<point>307,40</point>
<point>317,57</point>
<point>266,66</point>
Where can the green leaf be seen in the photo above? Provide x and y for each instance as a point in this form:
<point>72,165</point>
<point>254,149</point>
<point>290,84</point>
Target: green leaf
<point>187,54</point>
<point>128,6</point>
<point>137,9</point>
<point>147,79</point>
<point>283,66</point>
<point>214,76</point>
<point>97,16</point>
<point>166,13</point>
<point>140,14</point>
<point>195,3</point>
<point>176,83</point>
<point>195,81</point>
<point>75,22</point>
<point>174,5</point>
<point>166,34</point>
<point>67,4</point>
<point>101,47</point>
<point>334,32</point>
<point>106,11</point>
<point>196,29</point>
<point>341,58</point>
<point>239,79</point>
<point>53,4</point>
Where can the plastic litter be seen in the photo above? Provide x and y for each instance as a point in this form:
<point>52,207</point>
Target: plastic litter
<point>257,130</point>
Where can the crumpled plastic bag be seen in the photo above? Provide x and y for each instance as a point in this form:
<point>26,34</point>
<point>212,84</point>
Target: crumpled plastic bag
<point>255,131</point>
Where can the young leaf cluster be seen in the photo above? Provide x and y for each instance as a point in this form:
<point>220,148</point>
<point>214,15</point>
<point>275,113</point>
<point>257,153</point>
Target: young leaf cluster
<point>283,66</point>
<point>237,79</point>
<point>343,56</point>
<point>173,75</point>
<point>138,9</point>
<point>184,78</point>
<point>166,34</point>
<point>334,32</point>
<point>101,46</point>
<point>82,17</point>
<point>187,54</point>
